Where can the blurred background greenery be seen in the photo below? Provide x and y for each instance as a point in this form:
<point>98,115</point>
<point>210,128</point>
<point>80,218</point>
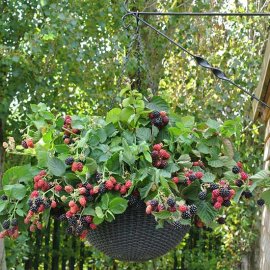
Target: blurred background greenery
<point>72,56</point>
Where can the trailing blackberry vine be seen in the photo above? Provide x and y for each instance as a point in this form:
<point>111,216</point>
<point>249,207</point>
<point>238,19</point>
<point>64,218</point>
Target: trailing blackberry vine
<point>86,170</point>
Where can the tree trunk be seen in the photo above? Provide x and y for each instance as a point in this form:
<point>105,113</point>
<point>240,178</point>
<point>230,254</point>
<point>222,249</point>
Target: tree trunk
<point>2,158</point>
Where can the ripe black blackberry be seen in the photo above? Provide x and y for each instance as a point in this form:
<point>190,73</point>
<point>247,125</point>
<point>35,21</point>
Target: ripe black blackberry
<point>30,202</point>
<point>239,183</point>
<point>186,215</point>
<point>213,186</point>
<point>24,144</point>
<point>4,197</point>
<point>260,202</point>
<point>72,221</point>
<point>69,230</point>
<point>248,194</point>
<point>236,169</point>
<point>97,176</point>
<point>192,177</point>
<point>89,198</point>
<point>155,114</point>
<point>102,188</point>
<point>14,222</point>
<point>34,208</point>
<point>177,225</point>
<point>226,203</point>
<point>221,220</point>
<point>79,229</point>
<point>163,164</point>
<point>154,203</point>
<point>38,201</point>
<point>47,204</point>
<point>193,209</point>
<point>202,195</point>
<point>154,155</point>
<point>224,192</point>
<point>132,199</point>
<point>158,122</point>
<point>69,160</point>
<point>84,222</point>
<point>6,224</point>
<point>65,136</point>
<point>62,217</point>
<point>171,202</point>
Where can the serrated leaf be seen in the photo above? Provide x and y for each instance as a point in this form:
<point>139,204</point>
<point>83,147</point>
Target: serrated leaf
<point>3,205</point>
<point>206,212</point>
<point>145,190</point>
<point>89,210</point>
<point>118,205</point>
<point>261,175</point>
<point>215,163</point>
<point>16,191</point>
<point>191,191</point>
<point>143,134</point>
<point>238,193</point>
<point>56,166</point>
<point>266,196</point>
<point>91,165</point>
<point>162,214</point>
<point>99,212</point>
<point>113,115</point>
<point>157,104</point>
<point>213,124</point>
<point>208,177</point>
<point>97,220</point>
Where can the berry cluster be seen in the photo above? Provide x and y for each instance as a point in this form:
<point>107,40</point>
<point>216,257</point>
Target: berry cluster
<point>75,166</point>
<point>40,181</point>
<point>159,156</point>
<point>28,143</point>
<point>10,228</point>
<point>111,184</point>
<point>159,119</point>
<point>69,132</point>
<point>243,176</point>
<point>222,195</point>
<point>191,176</point>
<point>187,211</point>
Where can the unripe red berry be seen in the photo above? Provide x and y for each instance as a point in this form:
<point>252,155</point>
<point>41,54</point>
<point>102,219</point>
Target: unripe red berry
<point>123,190</point>
<point>117,187</point>
<point>30,143</point>
<point>57,188</point>
<point>113,180</point>
<point>37,178</point>
<point>69,189</point>
<point>183,208</point>
<point>34,194</point>
<point>217,205</point>
<point>199,175</point>
<point>82,201</point>
<point>244,176</point>
<point>82,190</point>
<point>148,209</point>
<point>163,113</point>
<point>71,204</point>
<point>32,228</point>
<point>109,185</point>
<point>175,180</point>
<point>93,226</point>
<point>220,199</point>
<point>67,141</point>
<point>53,204</point>
<point>42,173</point>
<point>39,225</point>
<point>128,184</point>
<point>165,120</point>
<point>40,183</point>
<point>157,147</point>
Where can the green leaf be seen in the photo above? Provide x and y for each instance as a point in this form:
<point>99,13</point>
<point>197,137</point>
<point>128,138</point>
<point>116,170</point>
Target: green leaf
<point>191,191</point>
<point>56,166</point>
<point>112,163</point>
<point>266,196</point>
<point>203,148</point>
<point>157,104</point>
<point>206,212</point>
<point>162,214</point>
<point>77,122</point>
<point>91,165</point>
<point>16,191</point>
<point>62,149</point>
<point>97,220</point>
<point>188,121</point>
<point>238,193</point>
<point>215,163</point>
<point>118,205</point>
<point>99,212</point>
<point>113,115</point>
<point>89,210</point>
<point>208,177</point>
<point>125,114</point>
<point>3,205</point>
<point>42,157</point>
<point>261,175</point>
<point>105,201</point>
<point>143,134</point>
<point>19,174</point>
<point>213,124</point>
<point>128,156</point>
<point>145,190</point>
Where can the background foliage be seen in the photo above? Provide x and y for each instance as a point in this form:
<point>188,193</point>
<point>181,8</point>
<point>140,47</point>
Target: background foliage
<point>70,54</point>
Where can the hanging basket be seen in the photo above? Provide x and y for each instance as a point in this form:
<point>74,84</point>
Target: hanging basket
<point>133,236</point>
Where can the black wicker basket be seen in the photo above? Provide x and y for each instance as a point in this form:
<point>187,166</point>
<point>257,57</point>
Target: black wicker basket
<point>132,236</point>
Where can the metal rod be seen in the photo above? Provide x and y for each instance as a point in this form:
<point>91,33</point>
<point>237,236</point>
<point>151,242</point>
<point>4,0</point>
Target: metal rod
<point>200,60</point>
<point>247,14</point>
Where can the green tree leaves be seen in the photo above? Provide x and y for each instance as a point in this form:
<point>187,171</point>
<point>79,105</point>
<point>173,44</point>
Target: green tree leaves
<point>56,166</point>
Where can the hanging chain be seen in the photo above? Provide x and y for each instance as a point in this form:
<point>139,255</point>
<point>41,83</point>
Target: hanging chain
<point>138,54</point>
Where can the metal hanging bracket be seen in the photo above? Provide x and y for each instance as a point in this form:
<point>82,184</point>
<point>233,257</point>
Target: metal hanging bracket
<point>199,60</point>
